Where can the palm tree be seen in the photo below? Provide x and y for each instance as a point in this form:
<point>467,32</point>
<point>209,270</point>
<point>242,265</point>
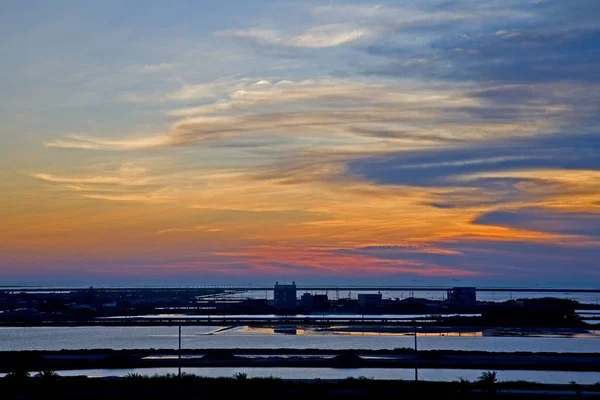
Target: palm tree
<point>135,376</point>
<point>488,380</point>
<point>17,376</point>
<point>576,387</point>
<point>47,374</point>
<point>463,385</point>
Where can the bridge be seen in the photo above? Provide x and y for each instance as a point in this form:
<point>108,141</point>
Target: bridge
<point>224,320</point>
<point>300,288</point>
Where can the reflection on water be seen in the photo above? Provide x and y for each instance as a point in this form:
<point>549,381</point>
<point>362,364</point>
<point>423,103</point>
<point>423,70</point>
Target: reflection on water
<point>215,337</point>
<point>175,357</point>
<point>592,322</point>
<point>426,374</point>
<point>271,331</point>
<point>458,334</point>
<point>342,330</point>
<point>287,331</point>
<point>419,334</point>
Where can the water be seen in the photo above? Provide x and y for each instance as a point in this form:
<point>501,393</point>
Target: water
<point>425,374</point>
<point>217,337</point>
<point>210,337</point>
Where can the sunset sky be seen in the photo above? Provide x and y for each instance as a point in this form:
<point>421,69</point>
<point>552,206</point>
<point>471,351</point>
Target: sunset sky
<point>193,142</point>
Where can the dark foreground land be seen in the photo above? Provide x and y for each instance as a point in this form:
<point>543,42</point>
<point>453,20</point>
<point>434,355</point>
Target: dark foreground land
<point>11,361</point>
<point>50,386</point>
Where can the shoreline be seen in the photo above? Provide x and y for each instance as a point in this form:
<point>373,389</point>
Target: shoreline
<point>194,386</point>
<point>485,330</point>
<point>331,326</point>
<point>280,358</point>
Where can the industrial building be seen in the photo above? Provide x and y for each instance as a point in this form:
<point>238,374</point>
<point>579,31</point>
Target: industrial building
<point>284,296</point>
<point>462,296</point>
<point>314,302</point>
<point>370,301</point>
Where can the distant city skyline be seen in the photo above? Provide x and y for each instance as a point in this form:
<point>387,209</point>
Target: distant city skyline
<point>430,142</point>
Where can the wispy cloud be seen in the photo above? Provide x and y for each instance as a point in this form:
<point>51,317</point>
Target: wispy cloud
<point>313,38</point>
<point>475,161</point>
<point>418,15</point>
<point>305,261</point>
<point>127,177</point>
<point>568,177</point>
<point>568,190</point>
<point>130,182</point>
<point>199,228</point>
<point>157,197</point>
<point>75,141</point>
<point>343,24</point>
<point>340,107</point>
<point>155,67</point>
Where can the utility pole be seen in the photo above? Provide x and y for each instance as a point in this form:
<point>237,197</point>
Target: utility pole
<point>179,355</point>
<point>416,354</point>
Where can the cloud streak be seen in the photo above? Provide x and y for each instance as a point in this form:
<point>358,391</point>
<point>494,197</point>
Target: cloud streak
<point>334,108</point>
<point>313,38</point>
<point>82,142</point>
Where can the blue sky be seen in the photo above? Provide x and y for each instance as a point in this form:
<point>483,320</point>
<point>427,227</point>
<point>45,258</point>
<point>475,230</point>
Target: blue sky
<point>148,141</point>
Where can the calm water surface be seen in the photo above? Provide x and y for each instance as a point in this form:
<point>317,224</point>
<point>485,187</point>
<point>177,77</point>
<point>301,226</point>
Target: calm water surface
<point>199,337</point>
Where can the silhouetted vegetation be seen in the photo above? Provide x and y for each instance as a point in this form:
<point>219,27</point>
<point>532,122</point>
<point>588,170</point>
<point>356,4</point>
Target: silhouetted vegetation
<point>219,355</point>
<point>347,360</point>
<point>241,376</point>
<point>133,386</point>
<point>47,375</point>
<point>17,376</point>
<point>543,312</point>
<point>488,380</point>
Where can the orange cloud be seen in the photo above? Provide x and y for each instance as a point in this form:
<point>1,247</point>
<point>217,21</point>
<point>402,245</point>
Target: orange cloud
<point>305,261</point>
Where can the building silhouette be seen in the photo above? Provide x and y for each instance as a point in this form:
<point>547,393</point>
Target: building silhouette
<point>284,296</point>
<point>462,296</point>
<point>314,302</point>
<point>370,301</point>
